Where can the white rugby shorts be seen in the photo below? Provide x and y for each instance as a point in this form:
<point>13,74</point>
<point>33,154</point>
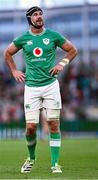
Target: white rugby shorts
<point>47,97</point>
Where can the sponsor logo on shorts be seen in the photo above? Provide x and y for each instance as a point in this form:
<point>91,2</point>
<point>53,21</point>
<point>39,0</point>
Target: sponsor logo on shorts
<point>27,106</point>
<point>57,104</point>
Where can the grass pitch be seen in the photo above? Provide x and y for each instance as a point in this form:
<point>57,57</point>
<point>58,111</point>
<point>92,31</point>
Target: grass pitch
<point>79,160</point>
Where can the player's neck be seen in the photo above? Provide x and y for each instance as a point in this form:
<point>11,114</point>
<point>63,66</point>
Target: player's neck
<point>36,31</point>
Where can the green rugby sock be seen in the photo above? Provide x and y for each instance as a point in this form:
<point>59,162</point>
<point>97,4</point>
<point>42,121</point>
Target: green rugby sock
<point>55,143</point>
<point>31,144</point>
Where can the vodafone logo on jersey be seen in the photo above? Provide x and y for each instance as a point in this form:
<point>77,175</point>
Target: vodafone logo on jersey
<point>37,52</point>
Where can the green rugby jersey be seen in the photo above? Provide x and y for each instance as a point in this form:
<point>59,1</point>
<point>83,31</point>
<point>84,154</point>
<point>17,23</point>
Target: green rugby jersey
<point>39,52</point>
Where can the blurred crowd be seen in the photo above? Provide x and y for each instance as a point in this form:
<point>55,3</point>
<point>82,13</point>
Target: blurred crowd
<point>11,98</point>
<point>79,92</point>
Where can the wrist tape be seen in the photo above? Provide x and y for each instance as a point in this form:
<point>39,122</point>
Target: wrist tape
<point>64,62</point>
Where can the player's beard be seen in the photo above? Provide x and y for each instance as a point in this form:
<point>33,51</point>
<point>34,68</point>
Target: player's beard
<point>38,24</point>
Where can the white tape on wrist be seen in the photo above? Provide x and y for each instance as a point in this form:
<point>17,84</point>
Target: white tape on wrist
<point>64,62</point>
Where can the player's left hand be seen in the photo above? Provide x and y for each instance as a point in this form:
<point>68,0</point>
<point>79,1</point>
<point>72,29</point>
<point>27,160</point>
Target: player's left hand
<point>55,70</point>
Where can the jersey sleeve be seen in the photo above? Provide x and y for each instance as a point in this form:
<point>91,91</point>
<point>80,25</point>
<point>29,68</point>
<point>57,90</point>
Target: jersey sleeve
<point>18,42</point>
<point>60,40</point>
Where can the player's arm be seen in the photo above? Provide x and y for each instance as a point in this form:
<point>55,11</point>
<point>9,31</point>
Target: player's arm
<point>71,51</point>
<point>8,56</point>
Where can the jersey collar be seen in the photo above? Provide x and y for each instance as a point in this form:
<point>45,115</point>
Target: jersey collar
<point>37,34</point>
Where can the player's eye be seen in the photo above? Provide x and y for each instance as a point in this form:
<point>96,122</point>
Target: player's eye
<point>35,14</point>
<point>41,13</point>
<point>38,14</point>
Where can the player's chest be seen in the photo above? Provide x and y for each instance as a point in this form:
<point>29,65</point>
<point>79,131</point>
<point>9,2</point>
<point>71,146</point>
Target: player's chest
<point>46,44</point>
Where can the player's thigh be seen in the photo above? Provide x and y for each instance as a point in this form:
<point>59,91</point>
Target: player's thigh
<point>32,105</point>
<point>52,97</point>
<point>32,99</point>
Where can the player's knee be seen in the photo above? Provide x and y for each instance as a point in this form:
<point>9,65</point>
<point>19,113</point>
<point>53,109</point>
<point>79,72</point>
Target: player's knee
<point>53,126</point>
<point>54,129</point>
<point>53,120</point>
<point>31,128</point>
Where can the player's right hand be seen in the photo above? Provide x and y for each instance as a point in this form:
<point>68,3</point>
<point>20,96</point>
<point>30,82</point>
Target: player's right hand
<point>18,75</point>
<point>55,70</point>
